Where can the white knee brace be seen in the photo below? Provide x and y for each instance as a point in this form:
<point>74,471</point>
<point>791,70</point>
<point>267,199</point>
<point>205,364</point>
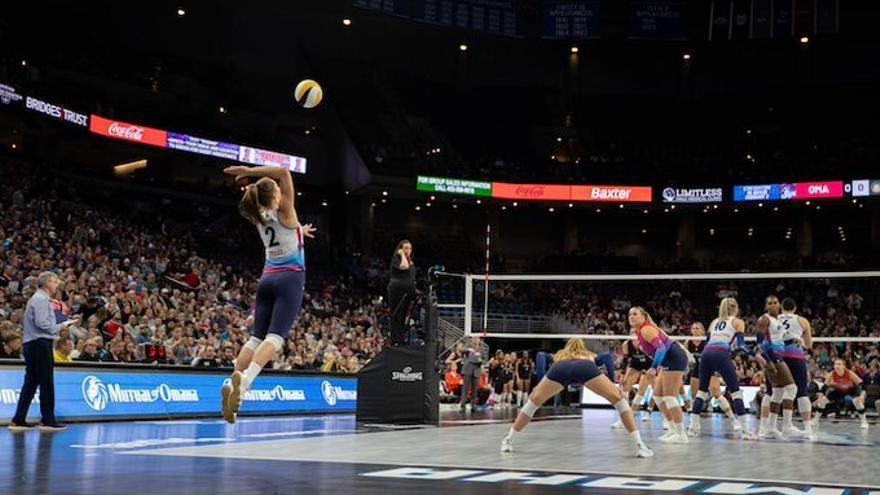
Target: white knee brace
<point>622,406</point>
<point>789,392</point>
<point>252,344</point>
<point>671,401</point>
<point>823,402</point>
<point>530,408</point>
<point>804,405</point>
<point>703,395</point>
<point>776,398</point>
<point>276,340</point>
<point>765,402</point>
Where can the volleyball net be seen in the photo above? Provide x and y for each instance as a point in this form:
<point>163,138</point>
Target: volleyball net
<point>843,306</point>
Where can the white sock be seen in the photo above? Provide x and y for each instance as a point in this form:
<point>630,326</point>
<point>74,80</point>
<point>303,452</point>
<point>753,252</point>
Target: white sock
<point>786,418</point>
<point>249,375</point>
<point>765,422</point>
<point>512,433</point>
<point>679,428</point>
<point>636,437</point>
<point>773,420</point>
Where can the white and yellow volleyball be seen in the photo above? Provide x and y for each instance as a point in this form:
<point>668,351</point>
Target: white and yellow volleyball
<point>308,93</point>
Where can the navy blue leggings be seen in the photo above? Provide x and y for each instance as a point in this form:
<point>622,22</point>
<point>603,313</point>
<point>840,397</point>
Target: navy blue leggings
<point>798,369</point>
<point>279,299</point>
<point>720,361</point>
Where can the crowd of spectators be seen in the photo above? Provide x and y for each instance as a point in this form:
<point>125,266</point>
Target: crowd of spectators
<point>146,296</point>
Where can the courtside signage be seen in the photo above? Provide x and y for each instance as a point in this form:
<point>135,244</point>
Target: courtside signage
<point>600,483</point>
<point>99,394</point>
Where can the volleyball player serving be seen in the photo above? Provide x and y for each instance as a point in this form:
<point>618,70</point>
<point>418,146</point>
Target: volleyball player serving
<point>268,204</point>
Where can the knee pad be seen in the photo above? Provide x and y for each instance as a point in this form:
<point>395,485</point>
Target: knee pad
<point>777,395</point>
<point>823,402</point>
<point>671,401</point>
<point>804,405</point>
<point>252,344</point>
<point>276,340</point>
<point>529,409</point>
<point>765,401</point>
<point>703,395</point>
<point>789,392</point>
<point>622,406</point>
<point>738,395</point>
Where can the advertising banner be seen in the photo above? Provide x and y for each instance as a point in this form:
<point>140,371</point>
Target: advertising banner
<point>192,144</point>
<point>531,192</point>
<point>256,156</point>
<point>56,111</point>
<point>453,186</point>
<point>9,95</point>
<point>798,191</point>
<point>128,132</point>
<point>96,394</point>
<point>693,195</point>
<point>614,194</point>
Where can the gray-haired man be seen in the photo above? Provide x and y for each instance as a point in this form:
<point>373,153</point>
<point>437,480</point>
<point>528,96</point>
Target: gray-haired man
<point>40,330</point>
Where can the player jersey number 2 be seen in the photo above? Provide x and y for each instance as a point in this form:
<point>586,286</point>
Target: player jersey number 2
<point>271,233</point>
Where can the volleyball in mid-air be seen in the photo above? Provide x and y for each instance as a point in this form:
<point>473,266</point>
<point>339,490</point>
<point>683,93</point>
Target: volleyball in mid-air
<point>308,93</point>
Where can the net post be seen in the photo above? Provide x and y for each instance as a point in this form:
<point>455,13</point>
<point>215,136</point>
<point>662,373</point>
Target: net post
<point>468,305</point>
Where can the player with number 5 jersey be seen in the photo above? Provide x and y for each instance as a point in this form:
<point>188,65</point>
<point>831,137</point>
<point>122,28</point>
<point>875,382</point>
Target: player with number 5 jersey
<point>268,205</point>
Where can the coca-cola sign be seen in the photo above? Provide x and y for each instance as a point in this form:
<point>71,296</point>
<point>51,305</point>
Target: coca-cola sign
<point>530,191</point>
<point>128,132</point>
<point>534,192</point>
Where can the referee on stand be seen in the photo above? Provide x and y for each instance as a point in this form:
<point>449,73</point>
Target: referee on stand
<point>401,290</point>
<point>40,330</point>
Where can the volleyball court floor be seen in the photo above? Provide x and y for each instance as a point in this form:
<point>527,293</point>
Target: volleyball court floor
<point>564,451</point>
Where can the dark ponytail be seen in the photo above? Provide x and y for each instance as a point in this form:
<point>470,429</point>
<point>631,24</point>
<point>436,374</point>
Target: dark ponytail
<point>256,197</point>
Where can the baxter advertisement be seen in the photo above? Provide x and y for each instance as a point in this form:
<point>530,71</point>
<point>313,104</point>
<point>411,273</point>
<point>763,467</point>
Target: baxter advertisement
<point>127,393</point>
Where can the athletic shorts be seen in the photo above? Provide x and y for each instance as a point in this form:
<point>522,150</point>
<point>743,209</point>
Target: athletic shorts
<point>675,359</point>
<point>573,372</point>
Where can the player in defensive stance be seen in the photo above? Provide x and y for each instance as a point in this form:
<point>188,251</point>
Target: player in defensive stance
<point>574,364</point>
<point>841,383</point>
<point>724,332</point>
